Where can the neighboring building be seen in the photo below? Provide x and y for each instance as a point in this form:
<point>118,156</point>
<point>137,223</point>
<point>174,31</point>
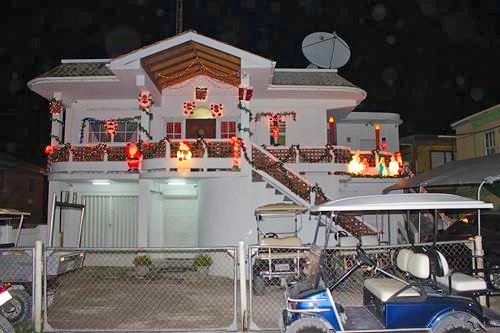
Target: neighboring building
<point>200,88</point>
<point>426,152</point>
<point>478,134</point>
<point>23,186</point>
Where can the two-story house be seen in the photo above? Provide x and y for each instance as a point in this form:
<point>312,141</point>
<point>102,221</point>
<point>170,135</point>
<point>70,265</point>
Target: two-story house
<point>226,132</point>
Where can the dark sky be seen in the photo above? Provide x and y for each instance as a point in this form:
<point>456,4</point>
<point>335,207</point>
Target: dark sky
<point>432,61</point>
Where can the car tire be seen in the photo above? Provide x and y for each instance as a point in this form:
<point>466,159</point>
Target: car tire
<point>308,325</point>
<point>258,285</point>
<point>455,323</point>
<point>18,309</point>
<point>6,326</point>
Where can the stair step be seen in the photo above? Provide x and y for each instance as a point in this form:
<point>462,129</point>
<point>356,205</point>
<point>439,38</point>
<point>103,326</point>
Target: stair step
<point>256,178</point>
<point>287,199</point>
<point>269,185</point>
<point>277,192</point>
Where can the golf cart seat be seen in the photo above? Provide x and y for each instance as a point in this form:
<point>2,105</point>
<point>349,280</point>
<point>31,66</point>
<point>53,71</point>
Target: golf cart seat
<point>416,264</point>
<point>291,241</point>
<point>282,242</point>
<point>456,281</point>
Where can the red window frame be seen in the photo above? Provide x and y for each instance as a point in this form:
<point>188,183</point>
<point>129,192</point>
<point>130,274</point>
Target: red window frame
<point>173,129</point>
<point>227,129</point>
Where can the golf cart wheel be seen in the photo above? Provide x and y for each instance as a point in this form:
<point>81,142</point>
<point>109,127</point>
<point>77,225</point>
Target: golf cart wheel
<point>456,323</point>
<point>18,309</point>
<point>6,326</point>
<point>308,325</point>
<point>258,285</point>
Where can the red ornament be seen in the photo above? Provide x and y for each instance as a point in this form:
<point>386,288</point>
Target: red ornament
<point>133,156</point>
<point>145,101</point>
<point>55,106</point>
<point>201,93</point>
<point>188,107</point>
<point>245,93</point>
<point>235,141</point>
<point>216,109</point>
<point>49,150</point>
<point>111,126</point>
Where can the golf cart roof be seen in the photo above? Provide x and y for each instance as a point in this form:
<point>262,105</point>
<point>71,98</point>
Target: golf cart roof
<point>12,212</point>
<point>401,202</point>
<point>280,209</point>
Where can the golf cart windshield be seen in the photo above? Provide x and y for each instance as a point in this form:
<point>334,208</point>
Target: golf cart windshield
<point>284,217</point>
<point>8,214</point>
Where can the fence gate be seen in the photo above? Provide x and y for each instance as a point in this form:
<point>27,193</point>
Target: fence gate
<point>174,289</point>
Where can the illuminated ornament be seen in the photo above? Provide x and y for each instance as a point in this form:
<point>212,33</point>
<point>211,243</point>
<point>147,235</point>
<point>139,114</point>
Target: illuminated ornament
<point>276,133</point>
<point>355,166</point>
<point>236,151</point>
<point>49,150</point>
<point>382,168</point>
<point>184,152</point>
<point>111,126</point>
<point>377,136</point>
<point>55,106</point>
<point>188,107</point>
<point>393,166</point>
<point>216,109</point>
<point>133,156</point>
<point>200,93</point>
<point>145,101</point>
<point>245,93</point>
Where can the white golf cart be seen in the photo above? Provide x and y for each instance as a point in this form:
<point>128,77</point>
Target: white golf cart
<point>279,257</point>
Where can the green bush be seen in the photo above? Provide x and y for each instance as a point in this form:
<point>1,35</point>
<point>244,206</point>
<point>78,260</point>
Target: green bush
<point>142,260</point>
<point>202,260</point>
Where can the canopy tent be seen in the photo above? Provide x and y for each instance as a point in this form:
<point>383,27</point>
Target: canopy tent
<point>462,172</point>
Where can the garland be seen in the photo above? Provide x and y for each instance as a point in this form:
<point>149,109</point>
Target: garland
<point>276,116</point>
<point>244,129</point>
<point>55,120</point>
<point>55,106</point>
<point>55,137</point>
<point>120,120</point>
<point>247,110</point>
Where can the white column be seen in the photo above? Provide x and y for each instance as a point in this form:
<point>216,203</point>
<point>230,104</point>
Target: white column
<point>245,123</point>
<point>57,127</point>
<point>143,212</point>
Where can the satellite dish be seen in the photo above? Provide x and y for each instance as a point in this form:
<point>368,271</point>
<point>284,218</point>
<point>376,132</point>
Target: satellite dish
<point>326,50</point>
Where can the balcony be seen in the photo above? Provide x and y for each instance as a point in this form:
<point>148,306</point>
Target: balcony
<point>159,159</point>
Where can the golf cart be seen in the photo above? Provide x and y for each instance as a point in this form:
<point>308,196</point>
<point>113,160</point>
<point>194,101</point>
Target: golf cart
<point>413,297</point>
<point>273,264</point>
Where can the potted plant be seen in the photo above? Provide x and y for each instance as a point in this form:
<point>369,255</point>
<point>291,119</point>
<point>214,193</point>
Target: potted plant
<point>202,262</point>
<point>141,264</point>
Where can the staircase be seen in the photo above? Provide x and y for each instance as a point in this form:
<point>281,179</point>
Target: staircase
<point>268,168</point>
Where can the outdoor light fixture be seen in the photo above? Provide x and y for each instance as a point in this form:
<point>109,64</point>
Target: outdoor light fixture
<point>176,182</point>
<point>101,182</point>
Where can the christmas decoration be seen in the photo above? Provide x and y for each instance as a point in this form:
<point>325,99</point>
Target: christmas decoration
<point>355,166</point>
<point>188,107</point>
<point>133,156</point>
<point>111,126</point>
<point>276,116</point>
<point>137,119</point>
<point>201,93</point>
<point>247,110</point>
<point>377,136</point>
<point>236,142</point>
<point>49,150</point>
<point>393,166</point>
<point>88,153</point>
<point>245,93</point>
<point>145,101</point>
<point>331,127</point>
<point>55,106</point>
<point>184,152</point>
<point>216,109</point>
<point>244,129</point>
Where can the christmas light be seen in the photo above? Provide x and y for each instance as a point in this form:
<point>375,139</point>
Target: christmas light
<point>145,101</point>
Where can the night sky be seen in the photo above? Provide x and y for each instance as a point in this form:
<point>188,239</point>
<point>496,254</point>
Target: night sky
<point>432,61</point>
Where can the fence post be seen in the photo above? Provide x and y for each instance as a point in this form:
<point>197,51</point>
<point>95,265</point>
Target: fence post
<point>37,292</point>
<point>243,284</point>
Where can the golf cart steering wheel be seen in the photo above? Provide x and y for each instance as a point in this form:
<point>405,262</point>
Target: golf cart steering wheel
<point>364,258</point>
<point>271,235</point>
<point>340,233</point>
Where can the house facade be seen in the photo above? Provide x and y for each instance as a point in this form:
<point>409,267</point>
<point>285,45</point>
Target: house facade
<point>215,132</point>
<point>478,134</point>
<point>426,152</point>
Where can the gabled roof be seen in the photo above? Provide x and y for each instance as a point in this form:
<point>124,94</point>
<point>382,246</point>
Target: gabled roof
<point>475,115</point>
<point>293,77</point>
<point>90,68</point>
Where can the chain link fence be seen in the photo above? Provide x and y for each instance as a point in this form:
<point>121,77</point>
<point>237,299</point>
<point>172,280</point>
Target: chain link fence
<point>271,268</point>
<point>142,290</point>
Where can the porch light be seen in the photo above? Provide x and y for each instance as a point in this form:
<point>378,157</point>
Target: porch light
<point>101,182</point>
<point>176,182</point>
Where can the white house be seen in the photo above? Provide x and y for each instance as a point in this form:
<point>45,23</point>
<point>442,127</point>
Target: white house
<point>201,91</point>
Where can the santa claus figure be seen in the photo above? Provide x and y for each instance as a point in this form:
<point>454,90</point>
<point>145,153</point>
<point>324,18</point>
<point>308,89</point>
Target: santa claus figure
<point>184,152</point>
<point>133,157</point>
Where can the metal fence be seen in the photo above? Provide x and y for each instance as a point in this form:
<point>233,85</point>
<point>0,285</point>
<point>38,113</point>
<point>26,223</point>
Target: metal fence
<point>270,268</point>
<point>176,289</point>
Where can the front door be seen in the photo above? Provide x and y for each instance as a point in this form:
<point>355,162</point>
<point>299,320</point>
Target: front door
<point>200,128</point>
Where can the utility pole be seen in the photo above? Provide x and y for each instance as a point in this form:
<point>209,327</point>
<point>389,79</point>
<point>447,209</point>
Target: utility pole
<point>178,16</point>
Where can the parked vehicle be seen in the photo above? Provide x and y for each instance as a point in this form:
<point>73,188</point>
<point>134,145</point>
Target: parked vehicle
<point>417,302</point>
<point>271,266</point>
<point>5,297</point>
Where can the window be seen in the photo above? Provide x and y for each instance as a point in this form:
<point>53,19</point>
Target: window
<point>439,158</point>
<point>173,130</point>
<point>489,141</point>
<point>281,131</point>
<point>227,129</point>
<point>126,132</point>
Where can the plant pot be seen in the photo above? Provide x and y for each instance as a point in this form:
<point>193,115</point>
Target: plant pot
<point>141,271</point>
